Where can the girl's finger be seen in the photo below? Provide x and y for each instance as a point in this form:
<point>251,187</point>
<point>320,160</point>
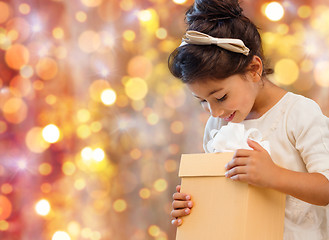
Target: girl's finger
<point>181,196</point>
<point>237,161</point>
<point>178,188</point>
<point>180,213</point>
<point>182,204</point>
<point>235,171</point>
<point>177,222</point>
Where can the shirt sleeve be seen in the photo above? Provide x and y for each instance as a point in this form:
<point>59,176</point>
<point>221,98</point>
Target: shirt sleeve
<point>310,131</point>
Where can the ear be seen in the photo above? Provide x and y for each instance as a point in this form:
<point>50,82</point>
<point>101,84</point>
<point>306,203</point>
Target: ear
<point>256,68</point>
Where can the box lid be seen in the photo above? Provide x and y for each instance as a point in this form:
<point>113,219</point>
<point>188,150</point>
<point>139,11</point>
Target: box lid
<point>204,164</point>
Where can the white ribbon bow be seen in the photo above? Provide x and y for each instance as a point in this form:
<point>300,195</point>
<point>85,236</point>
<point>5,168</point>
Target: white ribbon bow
<point>231,44</point>
<point>232,137</point>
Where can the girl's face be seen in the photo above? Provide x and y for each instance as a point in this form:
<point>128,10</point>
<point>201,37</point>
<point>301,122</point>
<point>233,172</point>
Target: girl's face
<point>232,98</point>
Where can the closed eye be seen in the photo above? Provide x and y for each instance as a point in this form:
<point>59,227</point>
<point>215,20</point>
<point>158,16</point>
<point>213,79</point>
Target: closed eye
<point>222,99</point>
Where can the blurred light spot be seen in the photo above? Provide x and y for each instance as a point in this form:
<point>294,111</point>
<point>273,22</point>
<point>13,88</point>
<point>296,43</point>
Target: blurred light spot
<point>22,164</point>
<point>153,118</point>
<point>89,41</point>
<point>98,155</point>
<point>58,33</point>
<point>4,225</point>
<point>20,87</point>
<point>120,205</point>
<point>321,73</point>
<point>86,233</point>
<point>154,230</point>
<point>139,66</point>
<point>83,115</point>
<point>51,99</point>
<point>13,35</point>
<point>304,11</point>
<point>24,8</point>
<point>92,3</point>
<point>177,127</point>
<point>80,184</point>
<point>108,96</point>
<point>46,68</point>
<point>68,168</point>
<point>144,193</point>
<point>96,126</point>
<point>173,149</point>
<point>51,133</point>
<point>60,235</point>
<point>81,16</point>
<point>174,96</point>
<point>138,105</point>
<point>286,71</point>
<point>15,110</point>
<point>46,187</point>
<point>135,153</point>
<point>136,88</point>
<point>5,208</point>
<point>87,153</point>
<point>306,66</point>
<point>6,188</point>
<point>170,165</point>
<point>34,140</point>
<point>45,169</point>
<point>126,5</point>
<point>83,131</point>
<point>145,15</point>
<point>129,35</point>
<point>274,11</point>
<point>38,85</point>
<point>5,12</point>
<point>160,185</point>
<point>60,52</point>
<point>179,1</point>
<point>26,71</point>
<point>96,89</point>
<point>74,228</point>
<point>42,207</point>
<point>161,33</point>
<point>19,28</point>
<point>3,127</point>
<point>17,56</point>
<point>283,29</point>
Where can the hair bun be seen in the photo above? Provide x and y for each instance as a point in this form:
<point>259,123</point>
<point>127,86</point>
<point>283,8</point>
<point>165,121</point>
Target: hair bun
<point>213,10</point>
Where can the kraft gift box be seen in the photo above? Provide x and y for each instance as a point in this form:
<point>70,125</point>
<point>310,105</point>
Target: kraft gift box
<point>224,209</point>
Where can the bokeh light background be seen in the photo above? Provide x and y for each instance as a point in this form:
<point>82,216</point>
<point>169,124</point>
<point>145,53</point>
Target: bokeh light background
<point>92,124</point>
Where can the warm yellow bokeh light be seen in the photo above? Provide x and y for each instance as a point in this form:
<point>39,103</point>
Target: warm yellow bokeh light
<point>179,1</point>
<point>87,153</point>
<point>145,193</point>
<point>17,56</point>
<point>42,207</point>
<point>81,16</point>
<point>274,11</point>
<point>61,235</point>
<point>51,133</point>
<point>89,41</point>
<point>129,35</point>
<point>136,88</point>
<point>24,8</point>
<point>98,155</point>
<point>160,185</point>
<point>34,140</point>
<point>145,15</point>
<point>83,115</point>
<point>46,68</point>
<point>58,33</point>
<point>154,230</point>
<point>321,73</point>
<point>4,225</point>
<point>45,169</point>
<point>92,3</point>
<point>68,168</point>
<point>177,127</point>
<point>286,71</point>
<point>120,205</point>
<point>83,131</point>
<point>108,96</point>
<point>304,11</point>
<point>161,33</point>
<point>26,71</point>
<point>5,12</point>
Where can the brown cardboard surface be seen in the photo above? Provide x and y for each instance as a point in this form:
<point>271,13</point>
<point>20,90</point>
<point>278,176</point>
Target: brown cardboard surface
<point>226,209</point>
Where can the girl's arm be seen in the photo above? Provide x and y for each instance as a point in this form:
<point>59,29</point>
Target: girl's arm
<point>257,168</point>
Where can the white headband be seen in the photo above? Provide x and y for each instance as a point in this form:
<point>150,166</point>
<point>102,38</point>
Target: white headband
<point>231,44</point>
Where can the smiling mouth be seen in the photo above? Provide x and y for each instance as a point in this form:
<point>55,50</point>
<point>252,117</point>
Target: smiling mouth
<point>230,118</point>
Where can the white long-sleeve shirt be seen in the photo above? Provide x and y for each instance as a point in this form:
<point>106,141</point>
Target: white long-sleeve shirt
<point>298,134</point>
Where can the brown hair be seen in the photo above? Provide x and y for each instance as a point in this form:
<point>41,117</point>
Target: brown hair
<point>222,19</point>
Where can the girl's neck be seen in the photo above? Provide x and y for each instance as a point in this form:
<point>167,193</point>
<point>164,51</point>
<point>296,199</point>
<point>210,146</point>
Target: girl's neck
<point>269,94</point>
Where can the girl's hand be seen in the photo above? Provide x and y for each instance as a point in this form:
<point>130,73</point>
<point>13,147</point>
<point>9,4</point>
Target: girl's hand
<point>181,205</point>
<point>253,166</point>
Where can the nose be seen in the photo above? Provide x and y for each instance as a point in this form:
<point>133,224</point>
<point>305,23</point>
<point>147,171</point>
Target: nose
<point>215,111</point>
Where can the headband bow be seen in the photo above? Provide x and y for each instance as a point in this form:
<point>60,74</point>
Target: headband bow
<point>231,44</point>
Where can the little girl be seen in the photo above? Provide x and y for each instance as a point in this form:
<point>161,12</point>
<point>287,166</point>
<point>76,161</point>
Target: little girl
<point>221,62</point>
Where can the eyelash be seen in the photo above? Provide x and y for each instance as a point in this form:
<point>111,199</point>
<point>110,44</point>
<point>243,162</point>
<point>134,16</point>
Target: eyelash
<point>218,100</point>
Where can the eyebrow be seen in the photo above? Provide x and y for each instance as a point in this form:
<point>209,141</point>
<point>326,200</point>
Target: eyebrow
<point>212,92</point>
